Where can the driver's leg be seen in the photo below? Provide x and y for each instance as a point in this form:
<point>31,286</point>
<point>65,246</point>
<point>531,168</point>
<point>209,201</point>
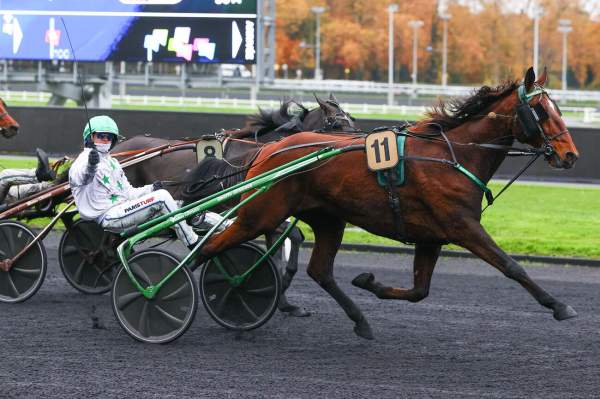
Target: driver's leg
<point>14,177</point>
<point>21,191</point>
<point>144,208</point>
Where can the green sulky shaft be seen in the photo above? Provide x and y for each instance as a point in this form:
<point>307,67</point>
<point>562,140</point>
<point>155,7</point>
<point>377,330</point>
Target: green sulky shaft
<point>261,183</point>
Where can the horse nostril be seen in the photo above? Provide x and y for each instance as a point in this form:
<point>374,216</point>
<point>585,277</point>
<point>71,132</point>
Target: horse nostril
<point>571,156</point>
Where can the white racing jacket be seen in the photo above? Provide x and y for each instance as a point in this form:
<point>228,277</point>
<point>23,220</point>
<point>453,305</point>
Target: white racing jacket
<point>95,192</point>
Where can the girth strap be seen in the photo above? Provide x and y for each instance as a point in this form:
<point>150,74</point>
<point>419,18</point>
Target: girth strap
<point>394,201</point>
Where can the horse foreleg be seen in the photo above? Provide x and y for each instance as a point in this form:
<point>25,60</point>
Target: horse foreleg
<point>328,237</point>
<point>288,271</point>
<point>477,240</point>
<point>426,256</point>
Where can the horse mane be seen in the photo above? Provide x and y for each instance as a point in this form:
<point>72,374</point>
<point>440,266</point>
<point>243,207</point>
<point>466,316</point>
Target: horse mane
<point>267,120</point>
<point>210,176</point>
<point>456,111</point>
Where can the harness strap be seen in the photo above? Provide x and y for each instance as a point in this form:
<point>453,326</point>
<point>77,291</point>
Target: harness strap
<point>478,182</point>
<point>394,202</point>
<point>513,179</point>
<point>488,193</point>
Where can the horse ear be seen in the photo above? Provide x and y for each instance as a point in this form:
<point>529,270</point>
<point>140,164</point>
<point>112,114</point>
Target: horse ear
<point>543,79</point>
<point>529,79</point>
<point>332,98</point>
<point>322,104</point>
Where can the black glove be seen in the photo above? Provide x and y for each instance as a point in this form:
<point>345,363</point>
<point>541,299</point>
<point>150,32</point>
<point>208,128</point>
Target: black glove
<point>93,158</point>
<point>157,185</point>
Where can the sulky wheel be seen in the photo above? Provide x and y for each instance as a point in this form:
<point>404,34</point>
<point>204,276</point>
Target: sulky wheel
<point>87,257</point>
<point>27,274</point>
<point>166,316</point>
<point>251,303</point>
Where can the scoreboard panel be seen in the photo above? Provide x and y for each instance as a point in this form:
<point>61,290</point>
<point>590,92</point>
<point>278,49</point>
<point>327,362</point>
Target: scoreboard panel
<point>205,31</point>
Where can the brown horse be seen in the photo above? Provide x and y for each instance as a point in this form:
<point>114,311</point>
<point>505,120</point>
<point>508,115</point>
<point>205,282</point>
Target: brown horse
<point>438,204</point>
<point>8,126</point>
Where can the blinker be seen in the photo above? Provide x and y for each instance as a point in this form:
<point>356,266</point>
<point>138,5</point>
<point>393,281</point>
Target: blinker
<point>540,113</point>
<point>528,119</point>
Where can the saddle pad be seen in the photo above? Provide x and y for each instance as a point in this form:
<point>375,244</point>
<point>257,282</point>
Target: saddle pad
<point>399,169</point>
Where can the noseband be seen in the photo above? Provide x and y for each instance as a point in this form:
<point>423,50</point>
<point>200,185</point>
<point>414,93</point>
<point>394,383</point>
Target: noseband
<point>532,117</point>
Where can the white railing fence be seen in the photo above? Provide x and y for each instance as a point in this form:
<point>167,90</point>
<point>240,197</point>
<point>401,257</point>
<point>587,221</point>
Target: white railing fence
<point>586,115</point>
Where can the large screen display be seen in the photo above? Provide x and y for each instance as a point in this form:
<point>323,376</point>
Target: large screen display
<point>218,31</point>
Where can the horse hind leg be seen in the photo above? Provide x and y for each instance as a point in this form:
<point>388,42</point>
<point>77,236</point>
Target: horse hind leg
<point>287,270</point>
<point>328,237</point>
<point>426,256</point>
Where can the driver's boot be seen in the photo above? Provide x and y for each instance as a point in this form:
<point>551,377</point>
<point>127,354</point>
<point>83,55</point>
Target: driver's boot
<point>43,172</point>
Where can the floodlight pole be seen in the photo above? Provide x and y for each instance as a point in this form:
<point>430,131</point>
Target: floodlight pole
<point>537,13</point>
<point>318,11</point>
<point>392,8</point>
<point>415,25</point>
<point>564,27</point>
<point>445,18</point>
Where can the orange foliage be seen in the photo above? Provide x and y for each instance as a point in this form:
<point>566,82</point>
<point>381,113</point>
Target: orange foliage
<point>487,47</point>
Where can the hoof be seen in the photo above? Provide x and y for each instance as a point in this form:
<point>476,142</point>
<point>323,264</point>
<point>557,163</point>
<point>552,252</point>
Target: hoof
<point>295,311</point>
<point>363,280</point>
<point>564,312</point>
<point>363,329</point>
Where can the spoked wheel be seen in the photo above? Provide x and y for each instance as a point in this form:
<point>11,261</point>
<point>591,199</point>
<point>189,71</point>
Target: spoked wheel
<point>249,304</point>
<point>166,316</point>
<point>26,276</point>
<point>88,257</point>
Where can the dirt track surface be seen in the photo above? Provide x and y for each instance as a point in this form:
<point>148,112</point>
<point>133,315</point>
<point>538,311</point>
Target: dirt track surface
<point>477,335</point>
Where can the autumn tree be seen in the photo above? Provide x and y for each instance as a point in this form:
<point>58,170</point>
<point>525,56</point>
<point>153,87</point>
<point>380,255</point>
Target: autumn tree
<point>488,40</point>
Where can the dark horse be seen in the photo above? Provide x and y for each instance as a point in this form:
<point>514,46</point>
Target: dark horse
<point>8,126</point>
<point>438,204</point>
<point>241,146</point>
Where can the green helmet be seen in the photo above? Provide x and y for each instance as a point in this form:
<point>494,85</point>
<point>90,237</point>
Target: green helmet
<point>101,123</point>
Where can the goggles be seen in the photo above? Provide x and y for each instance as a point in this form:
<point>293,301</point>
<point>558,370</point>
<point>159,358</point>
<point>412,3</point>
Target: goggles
<point>104,135</point>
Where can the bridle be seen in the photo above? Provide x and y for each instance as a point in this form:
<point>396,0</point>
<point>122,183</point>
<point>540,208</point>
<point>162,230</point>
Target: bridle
<point>333,122</point>
<point>532,117</point>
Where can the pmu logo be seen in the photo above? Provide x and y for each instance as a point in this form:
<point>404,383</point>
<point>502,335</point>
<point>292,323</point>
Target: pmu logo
<point>179,44</point>
<point>52,37</point>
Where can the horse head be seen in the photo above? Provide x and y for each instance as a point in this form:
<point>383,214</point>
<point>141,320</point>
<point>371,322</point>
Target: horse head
<point>8,126</point>
<point>538,122</point>
<point>329,116</point>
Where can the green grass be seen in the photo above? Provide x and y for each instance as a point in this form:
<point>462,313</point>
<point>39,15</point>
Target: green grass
<point>527,219</point>
<point>8,163</point>
<point>531,219</point>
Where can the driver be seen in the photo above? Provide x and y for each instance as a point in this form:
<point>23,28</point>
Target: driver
<point>103,193</point>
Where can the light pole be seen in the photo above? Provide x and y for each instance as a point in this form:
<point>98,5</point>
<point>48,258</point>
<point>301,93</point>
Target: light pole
<point>392,8</point>
<point>537,13</point>
<point>318,11</point>
<point>564,27</point>
<point>415,25</point>
<point>445,18</point>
